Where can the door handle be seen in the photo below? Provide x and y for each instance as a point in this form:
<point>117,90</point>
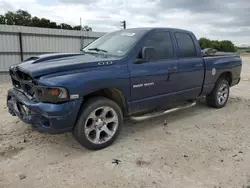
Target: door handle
<point>172,69</point>
<point>199,65</point>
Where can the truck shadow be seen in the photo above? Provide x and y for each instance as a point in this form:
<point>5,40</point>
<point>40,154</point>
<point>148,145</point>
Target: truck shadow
<point>131,127</point>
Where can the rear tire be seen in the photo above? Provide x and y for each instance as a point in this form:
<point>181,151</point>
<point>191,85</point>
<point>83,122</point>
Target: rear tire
<point>219,95</point>
<point>99,123</point>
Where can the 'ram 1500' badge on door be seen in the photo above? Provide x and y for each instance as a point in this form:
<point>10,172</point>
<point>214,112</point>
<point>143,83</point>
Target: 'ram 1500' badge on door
<point>143,85</point>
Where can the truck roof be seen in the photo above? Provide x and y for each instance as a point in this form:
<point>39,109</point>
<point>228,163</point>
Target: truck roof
<point>156,28</point>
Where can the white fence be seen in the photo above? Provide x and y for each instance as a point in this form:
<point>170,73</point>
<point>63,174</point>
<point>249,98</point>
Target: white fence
<point>17,43</point>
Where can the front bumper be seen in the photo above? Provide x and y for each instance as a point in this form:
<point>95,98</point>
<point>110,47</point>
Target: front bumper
<point>44,117</point>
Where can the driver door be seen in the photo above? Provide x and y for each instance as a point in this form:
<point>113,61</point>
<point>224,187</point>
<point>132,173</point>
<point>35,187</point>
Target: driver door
<point>153,81</point>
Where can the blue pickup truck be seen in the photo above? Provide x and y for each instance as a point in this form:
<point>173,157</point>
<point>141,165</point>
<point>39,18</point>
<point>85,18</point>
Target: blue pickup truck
<point>127,73</point>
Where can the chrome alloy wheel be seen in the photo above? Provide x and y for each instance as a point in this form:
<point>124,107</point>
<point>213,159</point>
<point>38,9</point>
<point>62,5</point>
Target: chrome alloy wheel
<point>101,125</point>
<point>222,94</point>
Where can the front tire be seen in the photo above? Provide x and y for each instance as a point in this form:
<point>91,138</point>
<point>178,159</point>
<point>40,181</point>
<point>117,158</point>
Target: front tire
<point>219,95</point>
<point>99,123</point>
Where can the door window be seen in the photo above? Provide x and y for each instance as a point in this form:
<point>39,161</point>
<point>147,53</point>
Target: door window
<point>162,43</point>
<point>186,45</point>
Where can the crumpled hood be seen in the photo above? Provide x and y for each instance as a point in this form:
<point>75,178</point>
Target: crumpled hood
<point>52,63</point>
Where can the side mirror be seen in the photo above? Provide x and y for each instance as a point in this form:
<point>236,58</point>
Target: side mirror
<point>149,53</point>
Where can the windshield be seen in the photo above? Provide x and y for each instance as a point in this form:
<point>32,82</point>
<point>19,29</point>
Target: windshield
<point>115,44</point>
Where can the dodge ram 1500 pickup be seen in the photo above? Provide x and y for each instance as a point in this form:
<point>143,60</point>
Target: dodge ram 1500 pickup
<point>127,73</point>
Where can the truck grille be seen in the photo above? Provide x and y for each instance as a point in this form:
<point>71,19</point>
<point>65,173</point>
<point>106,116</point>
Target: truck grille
<point>22,81</point>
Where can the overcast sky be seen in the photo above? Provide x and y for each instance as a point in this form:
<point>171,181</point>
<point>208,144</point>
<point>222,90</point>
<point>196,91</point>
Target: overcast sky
<point>214,19</point>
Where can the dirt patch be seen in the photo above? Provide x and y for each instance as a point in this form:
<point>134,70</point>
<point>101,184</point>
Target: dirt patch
<point>141,162</point>
<point>10,151</point>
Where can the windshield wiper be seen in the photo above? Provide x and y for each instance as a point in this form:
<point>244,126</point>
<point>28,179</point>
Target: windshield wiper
<point>98,50</point>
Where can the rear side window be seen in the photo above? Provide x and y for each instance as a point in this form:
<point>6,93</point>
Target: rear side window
<point>186,45</point>
<point>162,43</point>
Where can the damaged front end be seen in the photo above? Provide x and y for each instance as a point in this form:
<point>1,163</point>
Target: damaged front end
<point>34,105</point>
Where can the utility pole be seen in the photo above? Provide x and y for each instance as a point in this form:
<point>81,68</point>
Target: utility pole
<point>123,24</point>
<point>81,37</point>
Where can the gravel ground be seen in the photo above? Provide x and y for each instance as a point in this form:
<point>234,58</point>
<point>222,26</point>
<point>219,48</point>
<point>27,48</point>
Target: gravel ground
<point>197,147</point>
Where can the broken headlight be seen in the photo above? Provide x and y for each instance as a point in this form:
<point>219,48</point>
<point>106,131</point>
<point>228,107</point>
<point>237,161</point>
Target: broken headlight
<point>51,94</point>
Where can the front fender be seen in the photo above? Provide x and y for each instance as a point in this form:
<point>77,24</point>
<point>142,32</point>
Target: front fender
<point>83,82</point>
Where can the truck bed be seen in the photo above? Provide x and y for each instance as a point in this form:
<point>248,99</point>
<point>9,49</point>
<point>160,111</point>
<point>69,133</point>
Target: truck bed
<point>221,54</point>
<point>216,65</point>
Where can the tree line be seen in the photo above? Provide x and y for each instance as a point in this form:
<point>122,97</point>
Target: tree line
<point>224,45</point>
<point>24,18</point>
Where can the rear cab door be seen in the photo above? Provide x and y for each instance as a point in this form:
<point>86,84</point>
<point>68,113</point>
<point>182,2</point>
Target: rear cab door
<point>191,67</point>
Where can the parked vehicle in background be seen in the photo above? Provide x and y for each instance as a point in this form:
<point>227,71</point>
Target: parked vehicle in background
<point>126,73</point>
<point>209,51</point>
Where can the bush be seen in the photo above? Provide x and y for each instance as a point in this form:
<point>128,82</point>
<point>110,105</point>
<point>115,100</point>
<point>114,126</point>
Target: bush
<point>225,45</point>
